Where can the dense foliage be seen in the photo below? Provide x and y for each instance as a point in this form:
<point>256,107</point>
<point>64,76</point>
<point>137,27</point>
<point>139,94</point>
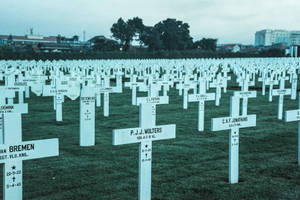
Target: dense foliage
<point>170,34</point>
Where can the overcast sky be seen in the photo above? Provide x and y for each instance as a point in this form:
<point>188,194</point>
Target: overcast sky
<point>231,21</point>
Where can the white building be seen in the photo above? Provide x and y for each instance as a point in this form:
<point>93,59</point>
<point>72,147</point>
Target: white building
<point>295,38</point>
<point>270,37</point>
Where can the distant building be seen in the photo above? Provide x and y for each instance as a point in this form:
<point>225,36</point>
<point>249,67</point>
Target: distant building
<point>65,40</point>
<point>295,38</point>
<point>27,39</point>
<point>53,47</point>
<point>270,37</point>
<point>44,43</point>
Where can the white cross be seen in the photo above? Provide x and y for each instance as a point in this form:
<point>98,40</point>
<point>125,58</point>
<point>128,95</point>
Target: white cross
<point>37,83</point>
<point>11,85</point>
<point>271,82</point>
<point>98,85</point>
<point>234,122</point>
<point>291,116</point>
<point>186,86</point>
<point>13,151</point>
<point>119,88</point>
<point>201,98</point>
<point>60,89</point>
<point>245,94</point>
<point>263,79</point>
<point>218,84</point>
<point>87,116</point>
<point>294,80</point>
<point>166,83</point>
<point>281,92</point>
<point>145,134</point>
<point>106,90</point>
<point>133,85</point>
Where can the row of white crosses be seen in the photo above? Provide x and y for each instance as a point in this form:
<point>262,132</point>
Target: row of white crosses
<point>62,85</point>
<point>148,131</point>
<point>218,83</point>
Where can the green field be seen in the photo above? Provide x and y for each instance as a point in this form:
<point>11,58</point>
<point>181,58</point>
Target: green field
<point>193,166</point>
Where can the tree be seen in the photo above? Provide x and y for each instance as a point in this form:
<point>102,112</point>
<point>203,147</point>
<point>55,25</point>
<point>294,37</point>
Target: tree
<point>206,44</point>
<point>10,40</point>
<point>273,52</point>
<point>174,34</point>
<point>137,24</point>
<point>138,27</point>
<point>103,44</point>
<point>123,32</point>
<point>151,37</point>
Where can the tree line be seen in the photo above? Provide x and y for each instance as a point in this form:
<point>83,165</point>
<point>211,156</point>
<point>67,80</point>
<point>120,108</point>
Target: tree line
<point>8,54</point>
<point>169,38</point>
<point>169,34</point>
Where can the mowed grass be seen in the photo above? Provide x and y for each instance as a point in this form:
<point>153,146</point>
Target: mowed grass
<point>193,166</point>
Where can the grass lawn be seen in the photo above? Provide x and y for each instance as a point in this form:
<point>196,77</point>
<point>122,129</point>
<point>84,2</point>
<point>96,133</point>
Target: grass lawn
<point>193,166</point>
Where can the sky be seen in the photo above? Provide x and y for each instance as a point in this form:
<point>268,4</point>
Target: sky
<point>230,21</point>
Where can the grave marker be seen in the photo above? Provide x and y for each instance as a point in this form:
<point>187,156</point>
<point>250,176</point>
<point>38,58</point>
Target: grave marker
<point>234,122</point>
<point>13,151</point>
<point>201,98</point>
<point>281,92</point>
<point>291,116</point>
<point>145,134</point>
<point>87,117</point>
